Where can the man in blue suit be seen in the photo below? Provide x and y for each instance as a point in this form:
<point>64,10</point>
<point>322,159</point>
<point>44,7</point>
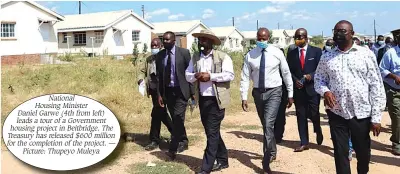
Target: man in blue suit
<point>303,62</point>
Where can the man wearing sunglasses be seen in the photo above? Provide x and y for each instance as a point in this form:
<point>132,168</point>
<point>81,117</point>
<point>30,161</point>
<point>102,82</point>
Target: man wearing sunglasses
<point>349,79</point>
<point>391,75</point>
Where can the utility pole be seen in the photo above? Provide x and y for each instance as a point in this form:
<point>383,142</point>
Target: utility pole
<point>278,25</point>
<point>257,24</point>
<point>322,34</point>
<point>80,7</point>
<point>374,31</point>
<point>233,21</point>
<point>143,11</point>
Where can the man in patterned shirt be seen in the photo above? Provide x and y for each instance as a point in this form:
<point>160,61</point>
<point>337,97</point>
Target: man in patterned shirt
<point>349,79</point>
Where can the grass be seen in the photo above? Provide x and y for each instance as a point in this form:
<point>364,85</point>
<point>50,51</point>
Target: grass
<point>161,167</point>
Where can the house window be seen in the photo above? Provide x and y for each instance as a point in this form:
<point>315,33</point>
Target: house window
<point>64,37</point>
<point>79,38</point>
<point>7,30</point>
<point>99,36</point>
<point>135,35</point>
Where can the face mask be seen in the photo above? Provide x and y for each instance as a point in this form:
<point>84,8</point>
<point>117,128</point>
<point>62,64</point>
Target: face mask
<point>381,42</point>
<point>328,48</point>
<point>155,51</point>
<point>300,42</point>
<point>262,44</point>
<point>339,38</point>
<point>168,46</point>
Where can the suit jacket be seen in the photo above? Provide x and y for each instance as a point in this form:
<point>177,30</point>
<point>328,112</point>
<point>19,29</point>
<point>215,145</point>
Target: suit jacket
<point>182,59</point>
<point>312,58</point>
<point>145,74</point>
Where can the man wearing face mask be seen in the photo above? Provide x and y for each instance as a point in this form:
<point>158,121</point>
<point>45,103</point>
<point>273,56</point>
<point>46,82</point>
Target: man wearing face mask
<point>302,63</point>
<point>351,83</point>
<point>391,75</point>
<point>378,45</point>
<point>211,72</point>
<point>356,41</point>
<point>174,90</point>
<point>262,65</point>
<point>158,114</point>
<point>329,45</point>
<point>382,51</point>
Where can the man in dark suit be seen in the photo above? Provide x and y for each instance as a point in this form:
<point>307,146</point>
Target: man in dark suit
<point>174,90</point>
<point>303,62</point>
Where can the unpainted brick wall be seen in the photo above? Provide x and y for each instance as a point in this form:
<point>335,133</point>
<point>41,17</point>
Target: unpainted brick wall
<point>16,59</point>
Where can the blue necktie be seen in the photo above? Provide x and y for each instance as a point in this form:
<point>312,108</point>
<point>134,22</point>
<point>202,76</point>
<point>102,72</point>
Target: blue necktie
<point>261,80</point>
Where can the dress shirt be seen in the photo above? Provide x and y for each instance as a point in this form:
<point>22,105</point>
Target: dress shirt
<point>391,64</point>
<point>205,65</point>
<point>174,81</point>
<point>274,61</point>
<point>375,48</point>
<point>305,52</point>
<point>355,80</point>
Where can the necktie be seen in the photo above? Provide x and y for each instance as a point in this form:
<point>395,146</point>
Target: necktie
<point>168,69</point>
<point>302,58</point>
<point>261,80</point>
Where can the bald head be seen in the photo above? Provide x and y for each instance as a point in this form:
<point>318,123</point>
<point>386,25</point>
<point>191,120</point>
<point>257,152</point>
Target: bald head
<point>300,37</point>
<point>262,34</point>
<point>301,31</point>
<point>343,34</point>
<point>330,42</point>
<point>155,43</point>
<point>346,23</point>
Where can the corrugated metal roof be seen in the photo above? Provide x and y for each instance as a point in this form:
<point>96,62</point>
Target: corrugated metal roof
<point>99,20</point>
<point>182,27</point>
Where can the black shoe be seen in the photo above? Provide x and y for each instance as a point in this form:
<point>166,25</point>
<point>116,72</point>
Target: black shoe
<point>320,138</point>
<point>218,167</point>
<point>278,141</point>
<point>273,158</point>
<point>267,171</point>
<point>203,172</point>
<point>182,147</point>
<point>153,145</point>
<point>171,155</point>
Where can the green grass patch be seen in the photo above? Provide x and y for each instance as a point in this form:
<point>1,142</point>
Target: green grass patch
<point>160,168</point>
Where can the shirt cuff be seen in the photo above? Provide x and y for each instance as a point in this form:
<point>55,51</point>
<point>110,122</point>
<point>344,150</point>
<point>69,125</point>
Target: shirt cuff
<point>213,77</point>
<point>385,73</point>
<point>244,96</point>
<point>323,90</point>
<point>290,94</point>
<point>376,119</point>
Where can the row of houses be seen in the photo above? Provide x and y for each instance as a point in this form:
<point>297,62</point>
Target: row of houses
<point>40,31</point>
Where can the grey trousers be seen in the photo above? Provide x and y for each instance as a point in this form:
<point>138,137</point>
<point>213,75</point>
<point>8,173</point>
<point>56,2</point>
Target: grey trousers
<point>267,103</point>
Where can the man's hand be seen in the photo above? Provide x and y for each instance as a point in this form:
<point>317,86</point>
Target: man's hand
<point>160,101</point>
<point>140,81</point>
<point>330,99</point>
<point>308,77</point>
<point>197,75</point>
<point>290,102</point>
<point>376,128</point>
<point>397,80</point>
<point>205,77</point>
<point>298,84</point>
<point>245,106</point>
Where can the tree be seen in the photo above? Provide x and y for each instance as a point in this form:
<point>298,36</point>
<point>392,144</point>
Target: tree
<point>195,48</point>
<point>144,48</point>
<point>135,54</point>
<point>317,40</point>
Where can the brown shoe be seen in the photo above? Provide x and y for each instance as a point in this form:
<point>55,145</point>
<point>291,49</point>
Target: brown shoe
<point>301,148</point>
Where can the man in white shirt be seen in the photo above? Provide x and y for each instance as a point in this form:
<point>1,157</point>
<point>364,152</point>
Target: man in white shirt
<point>349,79</point>
<point>211,72</point>
<point>262,65</point>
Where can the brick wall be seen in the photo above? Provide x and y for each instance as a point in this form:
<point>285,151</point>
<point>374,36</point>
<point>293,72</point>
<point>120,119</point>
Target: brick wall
<point>183,42</point>
<point>16,59</point>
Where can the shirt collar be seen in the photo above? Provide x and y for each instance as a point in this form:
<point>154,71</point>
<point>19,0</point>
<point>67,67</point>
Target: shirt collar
<point>355,47</point>
<point>305,47</point>
<point>173,50</point>
<point>211,53</point>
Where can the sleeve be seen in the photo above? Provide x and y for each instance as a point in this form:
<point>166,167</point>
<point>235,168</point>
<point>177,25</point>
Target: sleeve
<point>384,66</point>
<point>317,58</point>
<point>189,73</point>
<point>321,77</point>
<point>227,73</point>
<point>143,70</point>
<point>245,78</point>
<point>377,96</point>
<point>286,75</point>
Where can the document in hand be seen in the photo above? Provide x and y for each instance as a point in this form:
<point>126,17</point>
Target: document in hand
<point>142,88</point>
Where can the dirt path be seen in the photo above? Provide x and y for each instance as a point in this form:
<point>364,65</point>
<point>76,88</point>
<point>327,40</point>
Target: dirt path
<point>245,152</point>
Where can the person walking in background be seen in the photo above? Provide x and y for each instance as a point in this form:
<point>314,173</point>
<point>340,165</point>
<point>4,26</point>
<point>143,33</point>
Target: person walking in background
<point>356,41</point>
<point>174,90</point>
<point>302,63</point>
<point>388,44</point>
<point>158,114</point>
<point>280,122</point>
<point>262,65</point>
<point>378,45</point>
<point>329,45</point>
<point>211,71</point>
<point>390,69</point>
<point>349,79</point>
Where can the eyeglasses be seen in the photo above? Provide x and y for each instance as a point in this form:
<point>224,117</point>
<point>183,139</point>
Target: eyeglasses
<point>343,31</point>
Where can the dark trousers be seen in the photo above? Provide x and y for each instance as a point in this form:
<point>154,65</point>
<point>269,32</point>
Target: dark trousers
<point>360,139</point>
<point>306,107</point>
<point>280,122</point>
<point>158,115</point>
<point>176,105</point>
<point>211,117</point>
<point>393,103</point>
<point>267,103</point>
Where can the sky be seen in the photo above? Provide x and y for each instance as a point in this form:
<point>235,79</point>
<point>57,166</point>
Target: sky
<point>318,17</point>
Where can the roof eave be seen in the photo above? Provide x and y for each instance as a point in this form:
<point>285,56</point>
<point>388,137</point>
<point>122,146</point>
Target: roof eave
<point>61,30</point>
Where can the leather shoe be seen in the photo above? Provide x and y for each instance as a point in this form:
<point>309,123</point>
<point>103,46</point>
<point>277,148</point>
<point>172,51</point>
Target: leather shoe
<point>153,145</point>
<point>273,158</point>
<point>218,167</point>
<point>203,172</point>
<point>320,138</point>
<point>182,147</point>
<point>267,171</point>
<point>171,155</point>
<point>301,148</point>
